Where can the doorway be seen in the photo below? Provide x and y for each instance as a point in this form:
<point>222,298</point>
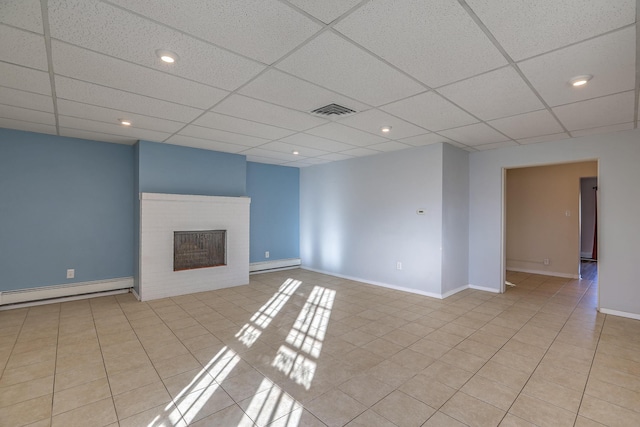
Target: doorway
<point>542,212</point>
<point>588,227</point>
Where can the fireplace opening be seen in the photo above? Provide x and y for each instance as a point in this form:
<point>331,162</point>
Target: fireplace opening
<point>199,249</point>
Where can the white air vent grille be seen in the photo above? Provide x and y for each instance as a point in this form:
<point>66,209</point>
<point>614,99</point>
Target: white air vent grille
<point>333,109</point>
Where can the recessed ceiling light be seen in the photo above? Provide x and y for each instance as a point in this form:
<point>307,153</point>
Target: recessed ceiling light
<point>167,56</point>
<point>578,81</point>
<point>295,152</point>
<point>386,129</point>
<point>125,122</point>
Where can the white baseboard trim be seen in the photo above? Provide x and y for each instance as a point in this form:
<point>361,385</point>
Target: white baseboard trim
<point>485,289</point>
<point>62,299</point>
<point>454,291</point>
<point>387,285</point>
<point>66,290</point>
<point>544,273</point>
<point>275,265</point>
<point>635,316</point>
<point>135,294</point>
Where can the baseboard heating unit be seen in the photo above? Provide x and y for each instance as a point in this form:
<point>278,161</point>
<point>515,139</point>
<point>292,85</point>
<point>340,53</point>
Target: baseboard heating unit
<point>280,264</point>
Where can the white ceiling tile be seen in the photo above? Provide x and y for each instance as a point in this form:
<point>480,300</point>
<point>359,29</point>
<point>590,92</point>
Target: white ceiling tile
<point>346,134</point>
<point>263,112</point>
<point>261,152</point>
<point>222,136</point>
<point>16,113</point>
<point>476,134</point>
<point>360,152</point>
<point>605,111</point>
<point>333,157</point>
<point>426,139</point>
<point>526,28</point>
<point>545,138</point>
<point>112,128</point>
<point>205,144</point>
<point>27,126</point>
<point>288,91</point>
<point>610,59</point>
<point>106,29</point>
<point>312,141</point>
<point>97,136</point>
<point>492,95</point>
<point>283,147</point>
<point>373,120</point>
<point>528,125</point>
<point>309,161</point>
<point>261,29</point>
<point>435,41</point>
<point>25,14</point>
<point>108,115</point>
<point>81,64</point>
<point>603,129</point>
<point>17,77</point>
<point>336,64</point>
<point>23,48</point>
<point>267,160</point>
<point>326,10</point>
<point>495,145</point>
<point>430,111</point>
<point>89,93</point>
<point>245,127</point>
<point>21,98</point>
<point>390,146</point>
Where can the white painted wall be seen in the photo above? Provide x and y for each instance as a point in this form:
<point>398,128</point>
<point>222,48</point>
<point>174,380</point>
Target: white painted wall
<point>358,218</point>
<point>618,213</point>
<point>455,219</point>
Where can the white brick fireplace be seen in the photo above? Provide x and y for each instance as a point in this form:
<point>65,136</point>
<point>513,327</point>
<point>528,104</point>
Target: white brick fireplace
<point>163,214</point>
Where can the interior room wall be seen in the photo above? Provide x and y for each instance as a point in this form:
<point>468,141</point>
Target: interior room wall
<point>455,219</point>
<point>619,203</point>
<point>358,218</point>
<point>65,203</point>
<point>543,218</point>
<point>275,211</point>
<point>588,217</point>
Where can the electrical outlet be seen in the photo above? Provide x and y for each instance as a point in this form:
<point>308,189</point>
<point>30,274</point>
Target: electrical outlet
<point>71,273</point>
<point>266,254</point>
<point>398,265</point>
<point>546,261</point>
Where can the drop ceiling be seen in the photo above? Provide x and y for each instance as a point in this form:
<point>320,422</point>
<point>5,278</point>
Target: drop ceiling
<point>478,74</point>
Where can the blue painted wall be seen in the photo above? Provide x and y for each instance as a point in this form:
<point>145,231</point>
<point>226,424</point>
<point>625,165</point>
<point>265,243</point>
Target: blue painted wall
<point>275,211</point>
<point>174,169</point>
<point>64,203</point>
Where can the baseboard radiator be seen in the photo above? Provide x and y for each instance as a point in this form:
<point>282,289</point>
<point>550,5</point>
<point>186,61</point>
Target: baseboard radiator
<point>280,264</point>
<point>66,290</point>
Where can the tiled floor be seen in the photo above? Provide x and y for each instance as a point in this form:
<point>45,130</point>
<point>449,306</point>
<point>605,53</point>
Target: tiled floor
<point>296,348</point>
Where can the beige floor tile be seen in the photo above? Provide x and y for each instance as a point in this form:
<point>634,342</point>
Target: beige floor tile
<point>368,419</point>
<point>140,399</point>
<point>269,405</point>
<point>608,413</point>
<point>472,411</point>
<point>504,375</point>
<point>541,413</point>
<point>335,408</point>
<point>202,403</point>
<point>361,359</point>
<point>366,389</point>
<point>516,361</point>
<point>31,357</point>
<point>463,360</point>
<point>586,422</point>
<point>430,348</point>
<point>130,379</point>
<point>550,371</point>
<point>358,338</point>
<point>99,413</point>
<point>80,395</point>
<point>163,415</point>
<point>491,392</point>
<point>440,419</point>
<point>511,420</point>
<point>447,374</point>
<point>27,412</point>
<point>188,382</point>
<point>614,394</point>
<point>245,385</point>
<point>402,409</point>
<point>411,359</point>
<point>553,393</point>
<point>229,416</point>
<point>390,373</point>
<point>27,390</point>
<point>428,391</point>
<point>382,347</point>
<point>27,373</point>
<point>477,349</point>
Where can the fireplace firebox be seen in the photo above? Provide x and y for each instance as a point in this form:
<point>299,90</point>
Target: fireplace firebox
<point>199,249</point>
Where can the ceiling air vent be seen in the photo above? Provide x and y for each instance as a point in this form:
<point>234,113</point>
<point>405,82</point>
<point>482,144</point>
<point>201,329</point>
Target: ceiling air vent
<point>332,110</point>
